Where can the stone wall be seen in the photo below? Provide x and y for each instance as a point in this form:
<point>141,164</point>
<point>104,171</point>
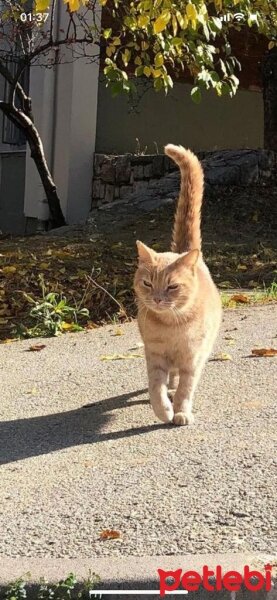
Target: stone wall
<point>117,177</point>
<point>126,177</point>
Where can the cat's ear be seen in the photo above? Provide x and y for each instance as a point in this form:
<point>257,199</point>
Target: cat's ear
<point>146,255</point>
<point>188,260</point>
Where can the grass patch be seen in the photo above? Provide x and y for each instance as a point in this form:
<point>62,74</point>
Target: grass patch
<point>263,296</point>
<point>95,272</point>
<point>66,589</point>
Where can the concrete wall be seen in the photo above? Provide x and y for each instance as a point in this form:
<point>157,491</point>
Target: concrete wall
<point>65,107</point>
<point>12,178</point>
<point>216,123</point>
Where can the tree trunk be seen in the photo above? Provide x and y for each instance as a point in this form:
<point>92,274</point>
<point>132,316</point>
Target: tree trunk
<point>37,154</point>
<point>25,123</point>
<point>270,99</point>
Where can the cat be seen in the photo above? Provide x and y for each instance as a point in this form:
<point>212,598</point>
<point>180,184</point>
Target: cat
<point>179,306</point>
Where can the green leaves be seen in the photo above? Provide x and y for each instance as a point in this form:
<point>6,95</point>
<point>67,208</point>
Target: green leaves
<point>161,22</point>
<point>161,37</point>
<point>196,95</point>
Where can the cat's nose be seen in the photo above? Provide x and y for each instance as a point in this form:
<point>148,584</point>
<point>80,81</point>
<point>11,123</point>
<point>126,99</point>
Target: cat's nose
<point>157,300</point>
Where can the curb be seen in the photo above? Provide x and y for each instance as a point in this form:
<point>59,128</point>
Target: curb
<point>135,573</point>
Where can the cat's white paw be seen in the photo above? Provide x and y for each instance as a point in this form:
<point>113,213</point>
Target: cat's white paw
<point>164,412</point>
<point>181,418</point>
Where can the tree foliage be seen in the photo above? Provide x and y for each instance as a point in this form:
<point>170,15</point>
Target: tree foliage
<point>158,38</point>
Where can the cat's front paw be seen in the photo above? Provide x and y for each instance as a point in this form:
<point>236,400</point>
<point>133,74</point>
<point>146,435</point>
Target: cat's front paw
<point>181,418</point>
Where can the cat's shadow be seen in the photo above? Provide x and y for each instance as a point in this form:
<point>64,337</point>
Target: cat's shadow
<point>23,438</point>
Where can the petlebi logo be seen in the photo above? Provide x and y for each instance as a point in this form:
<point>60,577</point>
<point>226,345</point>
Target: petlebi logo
<point>215,580</point>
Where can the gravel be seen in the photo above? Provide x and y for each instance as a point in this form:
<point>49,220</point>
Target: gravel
<point>81,450</point>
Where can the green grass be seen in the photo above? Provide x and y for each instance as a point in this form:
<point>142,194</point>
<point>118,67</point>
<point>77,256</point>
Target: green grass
<point>66,589</point>
<point>262,296</point>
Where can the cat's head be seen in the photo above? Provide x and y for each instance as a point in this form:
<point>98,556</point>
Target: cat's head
<point>165,281</point>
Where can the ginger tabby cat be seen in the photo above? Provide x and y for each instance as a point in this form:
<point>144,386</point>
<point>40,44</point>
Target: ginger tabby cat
<point>179,307</point>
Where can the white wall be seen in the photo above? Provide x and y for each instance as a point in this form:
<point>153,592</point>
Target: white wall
<point>65,110</point>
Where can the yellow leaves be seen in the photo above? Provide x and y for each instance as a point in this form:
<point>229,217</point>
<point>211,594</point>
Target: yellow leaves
<point>147,71</point>
<point>121,356</point>
<point>67,326</point>
<point>42,5</point>
<point>118,332</point>
<point>156,73</point>
<point>272,44</point>
<point>126,55</point>
<point>240,298</point>
<point>241,268</point>
<point>138,61</point>
<point>159,60</point>
<point>264,352</point>
<point>110,50</point>
<point>143,21</point>
<point>218,5</point>
<point>174,25</point>
<point>223,356</point>
<point>191,11</point>
<point>109,534</point>
<point>73,4</point>
<point>162,21</point>
<point>9,270</point>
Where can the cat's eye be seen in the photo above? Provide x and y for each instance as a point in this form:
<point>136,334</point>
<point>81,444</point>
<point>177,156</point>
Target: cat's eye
<point>173,286</point>
<point>147,283</point>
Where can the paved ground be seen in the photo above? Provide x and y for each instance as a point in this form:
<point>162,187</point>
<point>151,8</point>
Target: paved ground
<point>81,450</point>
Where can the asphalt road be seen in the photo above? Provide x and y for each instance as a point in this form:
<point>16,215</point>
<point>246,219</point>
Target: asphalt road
<point>81,450</point>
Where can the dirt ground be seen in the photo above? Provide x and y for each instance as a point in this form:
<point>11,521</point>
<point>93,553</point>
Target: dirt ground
<point>239,243</point>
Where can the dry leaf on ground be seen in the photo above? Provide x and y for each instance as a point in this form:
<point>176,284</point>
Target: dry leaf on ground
<point>110,534</point>
<point>36,348</point>
<point>264,352</point>
<point>118,331</point>
<point>223,356</point>
<point>120,356</point>
<point>240,298</point>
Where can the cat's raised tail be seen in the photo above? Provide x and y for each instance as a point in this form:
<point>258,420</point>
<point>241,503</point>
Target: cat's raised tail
<point>187,222</point>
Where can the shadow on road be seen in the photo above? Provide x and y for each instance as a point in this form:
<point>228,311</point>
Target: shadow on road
<point>22,438</point>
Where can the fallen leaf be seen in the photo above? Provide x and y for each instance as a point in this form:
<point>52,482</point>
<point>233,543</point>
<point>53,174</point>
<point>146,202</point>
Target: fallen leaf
<point>67,326</point>
<point>109,534</point>
<point>241,268</point>
<point>118,331</point>
<point>36,348</point>
<point>225,284</point>
<point>223,356</point>
<point>136,346</point>
<point>264,352</point>
<point>91,325</point>
<point>117,245</point>
<point>44,265</point>
<point>120,356</point>
<point>8,270</point>
<point>33,391</point>
<point>240,298</point>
